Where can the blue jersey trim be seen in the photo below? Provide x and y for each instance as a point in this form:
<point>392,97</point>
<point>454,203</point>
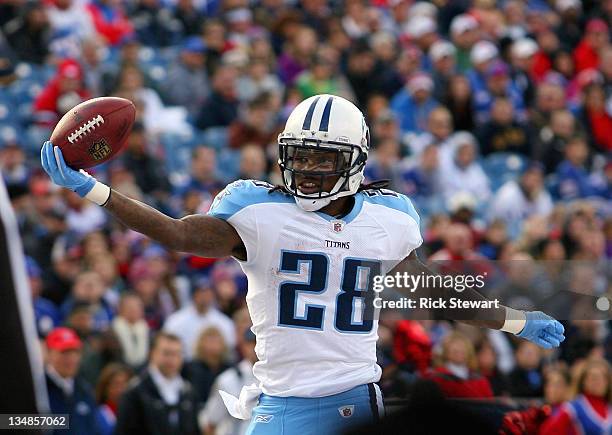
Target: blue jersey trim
<point>244,193</point>
<point>391,199</point>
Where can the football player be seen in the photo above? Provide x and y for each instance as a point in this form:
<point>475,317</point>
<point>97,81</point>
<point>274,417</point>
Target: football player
<point>310,250</point>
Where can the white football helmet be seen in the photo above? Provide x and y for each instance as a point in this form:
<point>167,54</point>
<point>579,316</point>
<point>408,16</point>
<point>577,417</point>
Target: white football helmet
<point>325,123</point>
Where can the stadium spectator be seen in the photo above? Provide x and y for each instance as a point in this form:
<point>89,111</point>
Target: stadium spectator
<point>458,245</point>
<point>28,33</point>
<point>187,82</point>
<point>549,144</point>
<point>109,20</point>
<point>596,36</point>
<point>221,107</point>
<point>188,322</point>
<point>439,132</point>
<point>420,177</point>
<point>295,57</point>
<point>464,33</point>
<point>132,330</point>
<point>526,379</point>
<point>70,25</point>
<point>503,133</point>
<point>149,171</point>
<point>557,383</point>
<point>461,172</point>
<point>253,163</point>
<point>68,393</point>
<point>458,100</point>
<point>574,181</point>
<point>215,418</point>
<point>111,385</point>
<point>203,176</point>
<point>595,117</point>
<point>589,411</point>
<point>256,126</point>
<point>414,103</point>
<point>384,161</point>
<point>160,401</point>
<point>487,365</point>
<point>456,372</point>
<point>46,313</point>
<point>88,288</point>
<point>442,55</point>
<point>64,91</point>
<point>153,24</point>
<point>515,201</point>
<point>190,18</point>
<point>210,358</point>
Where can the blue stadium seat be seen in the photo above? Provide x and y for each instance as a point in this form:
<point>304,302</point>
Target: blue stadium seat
<point>215,137</point>
<point>502,167</point>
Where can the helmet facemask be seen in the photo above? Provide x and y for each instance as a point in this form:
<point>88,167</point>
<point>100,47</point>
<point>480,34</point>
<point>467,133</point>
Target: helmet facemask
<point>312,160</point>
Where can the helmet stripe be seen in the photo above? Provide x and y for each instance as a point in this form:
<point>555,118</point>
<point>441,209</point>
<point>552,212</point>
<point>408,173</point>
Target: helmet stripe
<point>326,112</point>
<point>308,119</point>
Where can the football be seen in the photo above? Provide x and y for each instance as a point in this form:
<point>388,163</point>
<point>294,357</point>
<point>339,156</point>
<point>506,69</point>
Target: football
<point>94,131</point>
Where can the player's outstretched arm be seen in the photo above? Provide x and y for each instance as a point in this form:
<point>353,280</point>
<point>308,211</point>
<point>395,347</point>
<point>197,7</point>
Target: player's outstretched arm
<point>198,234</point>
<point>534,326</point>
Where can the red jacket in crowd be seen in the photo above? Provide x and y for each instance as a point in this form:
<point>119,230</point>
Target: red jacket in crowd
<point>411,345</point>
<point>475,386</point>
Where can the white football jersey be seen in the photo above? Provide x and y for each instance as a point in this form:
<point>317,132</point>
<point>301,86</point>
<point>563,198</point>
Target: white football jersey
<point>310,283</point>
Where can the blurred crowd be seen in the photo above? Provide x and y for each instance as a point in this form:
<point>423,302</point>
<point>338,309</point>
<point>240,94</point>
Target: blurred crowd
<point>494,117</point>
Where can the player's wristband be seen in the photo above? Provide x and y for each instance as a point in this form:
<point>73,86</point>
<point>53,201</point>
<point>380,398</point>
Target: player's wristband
<point>515,321</point>
<point>99,194</point>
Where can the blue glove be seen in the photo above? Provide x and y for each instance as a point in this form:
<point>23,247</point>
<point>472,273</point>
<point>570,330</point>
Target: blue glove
<point>53,163</point>
<point>542,329</point>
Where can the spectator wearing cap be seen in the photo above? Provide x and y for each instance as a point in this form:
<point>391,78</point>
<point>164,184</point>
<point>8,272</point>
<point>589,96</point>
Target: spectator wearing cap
<point>28,34</point>
<point>461,171</point>
<point>498,84</point>
<point>502,133</point>
<point>160,401</point>
<point>214,417</point>
<point>188,322</point>
<point>522,58</point>
<point>109,20</point>
<point>422,31</point>
<point>221,107</point>
<point>518,200</point>
<point>596,36</point>
<point>413,104</point>
<point>132,330</point>
<point>464,34</point>
<point>187,82</point>
<point>482,56</point>
<point>442,55</point>
<point>45,312</point>
<point>69,394</point>
<point>59,95</point>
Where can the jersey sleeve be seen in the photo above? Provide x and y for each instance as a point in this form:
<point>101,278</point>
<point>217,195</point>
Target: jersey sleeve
<point>234,205</point>
<point>411,233</point>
